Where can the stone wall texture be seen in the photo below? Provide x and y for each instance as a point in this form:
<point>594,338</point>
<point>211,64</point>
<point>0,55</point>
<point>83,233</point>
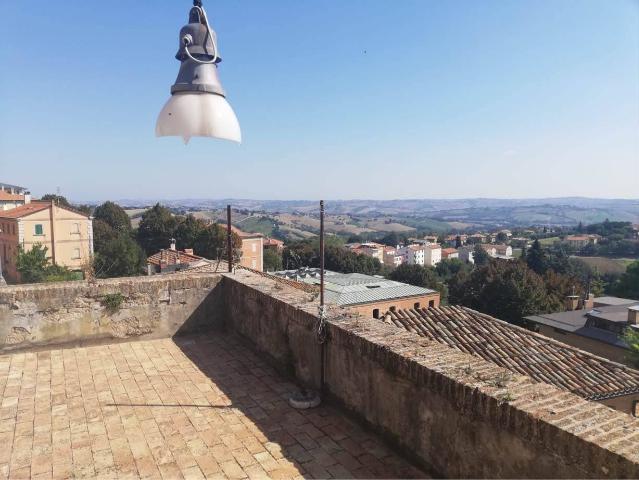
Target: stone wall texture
<point>78,312</point>
<point>456,414</point>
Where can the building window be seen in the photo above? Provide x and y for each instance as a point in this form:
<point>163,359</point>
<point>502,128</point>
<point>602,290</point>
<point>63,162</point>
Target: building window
<point>254,247</point>
<point>76,254</point>
<point>416,306</point>
<point>376,313</point>
<point>431,303</point>
<point>75,228</point>
<point>38,229</point>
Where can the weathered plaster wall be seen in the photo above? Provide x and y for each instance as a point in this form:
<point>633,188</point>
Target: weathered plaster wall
<point>459,415</point>
<point>71,312</point>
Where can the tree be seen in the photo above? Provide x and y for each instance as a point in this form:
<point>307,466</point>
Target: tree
<point>628,284</point>
<point>502,237</point>
<point>417,275</point>
<point>449,267</point>
<point>102,234</point>
<point>157,228</point>
<point>113,215</point>
<point>631,337</point>
<point>57,199</point>
<point>458,241</point>
<point>507,290</point>
<point>86,209</point>
<point>119,256</point>
<point>33,264</point>
<point>480,256</point>
<point>272,260</point>
<point>211,243</point>
<point>536,258</point>
<point>188,231</point>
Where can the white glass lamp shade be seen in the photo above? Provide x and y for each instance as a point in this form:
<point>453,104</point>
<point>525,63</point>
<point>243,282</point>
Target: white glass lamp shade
<point>198,114</point>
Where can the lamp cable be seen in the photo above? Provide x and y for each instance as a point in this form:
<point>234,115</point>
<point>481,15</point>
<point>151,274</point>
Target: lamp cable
<point>211,37</point>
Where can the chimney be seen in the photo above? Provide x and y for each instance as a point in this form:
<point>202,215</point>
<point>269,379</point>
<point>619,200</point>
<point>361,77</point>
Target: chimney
<point>172,246</point>
<point>188,251</point>
<point>633,315</point>
<point>589,303</point>
<point>27,197</point>
<point>572,302</point>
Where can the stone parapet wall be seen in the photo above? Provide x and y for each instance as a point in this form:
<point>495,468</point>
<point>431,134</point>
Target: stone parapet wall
<point>457,414</point>
<point>78,312</point>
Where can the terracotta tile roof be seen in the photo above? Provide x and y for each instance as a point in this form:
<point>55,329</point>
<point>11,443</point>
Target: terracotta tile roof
<point>448,251</point>
<point>244,234</point>
<point>6,196</point>
<point>274,242</point>
<point>520,350</point>
<point>172,257</point>
<point>24,210</point>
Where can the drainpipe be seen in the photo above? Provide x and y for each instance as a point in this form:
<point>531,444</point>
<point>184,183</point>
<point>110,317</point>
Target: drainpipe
<point>52,219</point>
<point>229,239</point>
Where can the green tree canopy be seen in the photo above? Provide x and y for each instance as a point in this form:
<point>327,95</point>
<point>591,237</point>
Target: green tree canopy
<point>631,337</point>
<point>449,267</point>
<point>508,290</point>
<point>417,275</point>
<point>628,284</point>
<point>536,258</point>
<point>272,260</point>
<point>102,234</point>
<point>188,231</point>
<point>34,266</point>
<point>119,256</point>
<point>157,228</point>
<point>57,199</point>
<point>113,215</point>
<point>480,256</point>
<point>211,242</point>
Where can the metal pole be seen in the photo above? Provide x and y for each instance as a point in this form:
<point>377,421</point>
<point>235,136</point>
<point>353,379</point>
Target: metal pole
<point>229,239</point>
<point>321,253</point>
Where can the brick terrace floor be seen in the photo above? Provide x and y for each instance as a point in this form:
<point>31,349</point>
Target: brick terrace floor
<point>198,407</point>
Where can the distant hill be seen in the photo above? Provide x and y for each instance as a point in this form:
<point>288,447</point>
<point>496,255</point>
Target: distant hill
<point>432,213</point>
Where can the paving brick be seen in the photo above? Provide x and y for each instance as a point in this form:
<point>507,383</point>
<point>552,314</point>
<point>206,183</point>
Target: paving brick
<point>203,407</point>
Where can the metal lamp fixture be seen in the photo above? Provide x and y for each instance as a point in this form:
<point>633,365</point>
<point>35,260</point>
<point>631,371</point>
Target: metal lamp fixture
<point>198,105</point>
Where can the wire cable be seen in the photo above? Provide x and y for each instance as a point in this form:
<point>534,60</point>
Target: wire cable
<point>211,37</point>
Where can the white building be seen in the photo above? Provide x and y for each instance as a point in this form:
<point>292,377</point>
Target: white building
<point>12,196</point>
<point>413,254</point>
<point>432,254</point>
<point>392,257</point>
<point>504,250</point>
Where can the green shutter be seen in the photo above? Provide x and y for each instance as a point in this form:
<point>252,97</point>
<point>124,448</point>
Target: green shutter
<point>38,229</point>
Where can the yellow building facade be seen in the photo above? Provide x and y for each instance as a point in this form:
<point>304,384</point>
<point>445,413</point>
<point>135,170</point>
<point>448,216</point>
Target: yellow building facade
<point>67,234</point>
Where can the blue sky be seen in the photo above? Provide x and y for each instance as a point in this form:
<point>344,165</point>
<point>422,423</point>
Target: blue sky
<point>336,99</point>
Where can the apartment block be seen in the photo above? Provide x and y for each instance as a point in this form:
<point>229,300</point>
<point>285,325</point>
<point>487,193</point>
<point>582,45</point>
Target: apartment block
<point>67,234</point>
